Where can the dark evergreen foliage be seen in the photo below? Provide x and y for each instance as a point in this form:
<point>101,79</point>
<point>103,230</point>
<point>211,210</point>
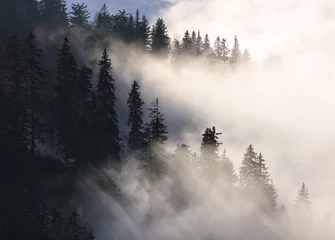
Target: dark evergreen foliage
<point>135,118</point>
<point>107,131</point>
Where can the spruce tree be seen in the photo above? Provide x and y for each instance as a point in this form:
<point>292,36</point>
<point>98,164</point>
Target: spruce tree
<point>207,45</point>
<point>79,16</point>
<point>74,230</point>
<point>217,48</point>
<point>176,51</point>
<point>15,86</point>
<point>135,118</point>
<point>66,100</point>
<point>107,122</point>
<point>155,136</point>
<point>187,44</point>
<point>227,169</point>
<point>249,166</point>
<point>225,51</point>
<point>199,44</point>
<point>103,21</point>
<point>302,200</point>
<point>156,129</point>
<point>235,56</point>
<point>209,153</point>
<point>245,58</point>
<point>36,100</point>
<point>160,40</point>
<point>54,13</point>
<point>130,30</point>
<point>85,152</point>
<point>144,37</point>
<point>57,226</point>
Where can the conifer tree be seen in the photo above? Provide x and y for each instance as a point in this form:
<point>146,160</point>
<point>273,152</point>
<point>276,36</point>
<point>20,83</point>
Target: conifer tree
<point>176,50</point>
<point>155,137</point>
<point>130,30</point>
<point>107,121</point>
<point>302,200</point>
<point>66,98</point>
<point>156,129</point>
<point>85,129</point>
<point>246,57</point>
<point>144,33</point>
<point>217,48</point>
<point>160,40</point>
<point>103,21</point>
<point>225,51</point>
<point>79,16</point>
<point>57,226</point>
<point>227,169</point>
<point>35,76</point>
<point>187,43</point>
<point>249,166</point>
<point>209,153</point>
<point>54,13</point>
<point>207,45</point>
<point>199,44</point>
<point>135,117</point>
<point>74,230</point>
<point>235,56</point>
<point>13,74</point>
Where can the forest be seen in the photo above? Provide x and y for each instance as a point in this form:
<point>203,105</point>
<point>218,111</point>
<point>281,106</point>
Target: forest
<point>60,123</point>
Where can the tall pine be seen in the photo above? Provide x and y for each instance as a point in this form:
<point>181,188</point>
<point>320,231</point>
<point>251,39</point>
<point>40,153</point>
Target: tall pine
<point>135,117</point>
<point>66,100</point>
<point>107,129</point>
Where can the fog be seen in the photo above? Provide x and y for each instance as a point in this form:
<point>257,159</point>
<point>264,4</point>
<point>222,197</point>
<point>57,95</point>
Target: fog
<point>287,112</point>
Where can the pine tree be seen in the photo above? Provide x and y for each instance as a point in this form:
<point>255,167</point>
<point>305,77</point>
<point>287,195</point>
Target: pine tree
<point>103,21</point>
<point>156,129</point>
<point>85,130</point>
<point>74,230</point>
<point>36,101</point>
<point>130,30</point>
<point>155,137</point>
<point>249,166</point>
<point>66,98</point>
<point>235,56</point>
<point>176,51</point>
<point>13,74</point>
<point>144,37</point>
<point>225,51</point>
<point>246,57</point>
<point>79,16</point>
<point>207,45</point>
<point>54,13</point>
<point>199,45</point>
<point>187,44</point>
<point>160,40</point>
<point>227,169</point>
<point>209,153</point>
<point>217,48</point>
<point>135,117</point>
<point>302,200</point>
<point>107,121</point>
<point>121,24</point>
<point>57,227</point>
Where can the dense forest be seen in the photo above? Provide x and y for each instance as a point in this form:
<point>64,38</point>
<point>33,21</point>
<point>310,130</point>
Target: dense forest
<point>59,120</point>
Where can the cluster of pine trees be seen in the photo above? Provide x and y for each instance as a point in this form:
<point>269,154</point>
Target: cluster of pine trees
<point>59,108</point>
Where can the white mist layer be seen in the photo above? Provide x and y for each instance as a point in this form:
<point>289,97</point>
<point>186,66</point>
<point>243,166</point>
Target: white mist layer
<point>287,113</point>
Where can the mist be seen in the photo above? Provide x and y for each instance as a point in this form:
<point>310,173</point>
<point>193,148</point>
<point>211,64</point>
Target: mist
<point>285,111</point>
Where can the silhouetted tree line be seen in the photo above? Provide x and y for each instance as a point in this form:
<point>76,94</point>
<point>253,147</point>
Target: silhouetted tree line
<point>59,110</point>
